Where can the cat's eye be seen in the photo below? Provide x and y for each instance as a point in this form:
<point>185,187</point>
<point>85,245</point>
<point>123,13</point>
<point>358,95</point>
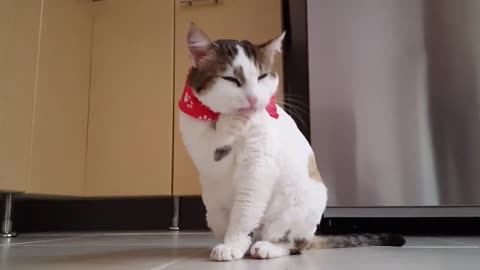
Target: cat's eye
<point>232,79</point>
<point>262,76</point>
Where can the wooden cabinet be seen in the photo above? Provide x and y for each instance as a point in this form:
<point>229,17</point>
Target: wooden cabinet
<point>88,91</point>
<point>19,31</point>
<point>254,20</point>
<point>61,99</point>
<point>44,73</point>
<point>131,100</point>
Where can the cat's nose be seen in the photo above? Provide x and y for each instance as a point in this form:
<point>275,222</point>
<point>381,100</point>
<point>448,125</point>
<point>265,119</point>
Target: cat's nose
<point>252,100</point>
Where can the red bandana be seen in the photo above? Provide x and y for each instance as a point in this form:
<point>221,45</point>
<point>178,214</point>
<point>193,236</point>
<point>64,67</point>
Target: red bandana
<point>192,106</point>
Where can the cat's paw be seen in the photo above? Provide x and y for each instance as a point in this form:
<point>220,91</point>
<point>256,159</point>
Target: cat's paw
<point>267,250</point>
<point>232,124</point>
<point>224,252</point>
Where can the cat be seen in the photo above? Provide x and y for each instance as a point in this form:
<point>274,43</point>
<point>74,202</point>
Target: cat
<point>260,184</point>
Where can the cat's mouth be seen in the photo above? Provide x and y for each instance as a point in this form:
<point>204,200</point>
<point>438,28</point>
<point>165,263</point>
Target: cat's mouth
<point>247,111</point>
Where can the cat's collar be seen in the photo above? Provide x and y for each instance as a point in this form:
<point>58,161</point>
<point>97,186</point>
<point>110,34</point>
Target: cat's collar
<point>192,106</point>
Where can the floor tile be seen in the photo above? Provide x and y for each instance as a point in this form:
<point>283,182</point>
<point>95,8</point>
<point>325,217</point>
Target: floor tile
<point>157,251</point>
<point>28,239</point>
<point>354,258</point>
<point>466,240</point>
<point>22,257</point>
<point>152,239</point>
<point>422,241</point>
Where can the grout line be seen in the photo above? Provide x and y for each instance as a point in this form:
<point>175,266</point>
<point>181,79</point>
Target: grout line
<point>39,241</point>
<point>172,245</point>
<point>167,265</point>
<point>443,240</point>
<point>160,233</point>
<point>118,234</point>
<point>442,247</point>
<point>454,241</point>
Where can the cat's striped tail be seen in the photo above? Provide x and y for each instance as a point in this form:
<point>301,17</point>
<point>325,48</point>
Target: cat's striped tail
<point>356,240</point>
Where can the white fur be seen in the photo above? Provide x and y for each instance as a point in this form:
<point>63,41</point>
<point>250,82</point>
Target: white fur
<point>263,185</point>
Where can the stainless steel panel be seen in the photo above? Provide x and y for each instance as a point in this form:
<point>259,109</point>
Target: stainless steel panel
<point>394,100</point>
<point>397,212</point>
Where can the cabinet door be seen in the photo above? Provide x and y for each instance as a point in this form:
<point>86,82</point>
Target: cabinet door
<point>19,30</point>
<point>61,99</point>
<point>253,20</point>
<point>131,101</point>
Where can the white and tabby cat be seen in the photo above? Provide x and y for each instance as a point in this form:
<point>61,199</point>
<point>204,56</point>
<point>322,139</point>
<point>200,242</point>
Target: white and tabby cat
<point>260,183</point>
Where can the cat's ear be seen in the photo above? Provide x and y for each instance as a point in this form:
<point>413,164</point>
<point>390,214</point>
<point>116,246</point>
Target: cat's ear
<point>198,44</point>
<point>273,46</point>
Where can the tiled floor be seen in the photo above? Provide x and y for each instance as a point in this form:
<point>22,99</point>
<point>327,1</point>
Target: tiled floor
<point>190,251</point>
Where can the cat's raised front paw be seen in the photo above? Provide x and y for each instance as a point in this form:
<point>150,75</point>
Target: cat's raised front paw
<point>224,252</point>
<point>232,124</point>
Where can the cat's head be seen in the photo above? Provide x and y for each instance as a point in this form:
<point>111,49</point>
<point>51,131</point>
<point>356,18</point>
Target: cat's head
<point>232,76</point>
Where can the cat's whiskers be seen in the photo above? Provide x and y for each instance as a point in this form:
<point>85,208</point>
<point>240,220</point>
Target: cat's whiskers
<point>294,109</point>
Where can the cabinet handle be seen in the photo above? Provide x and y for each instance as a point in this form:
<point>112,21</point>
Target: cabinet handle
<point>193,2</point>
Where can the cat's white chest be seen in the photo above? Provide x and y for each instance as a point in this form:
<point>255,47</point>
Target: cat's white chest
<point>202,149</point>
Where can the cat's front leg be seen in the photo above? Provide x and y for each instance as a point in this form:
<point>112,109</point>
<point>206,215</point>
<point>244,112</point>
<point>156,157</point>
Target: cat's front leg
<point>253,184</point>
<point>217,220</point>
